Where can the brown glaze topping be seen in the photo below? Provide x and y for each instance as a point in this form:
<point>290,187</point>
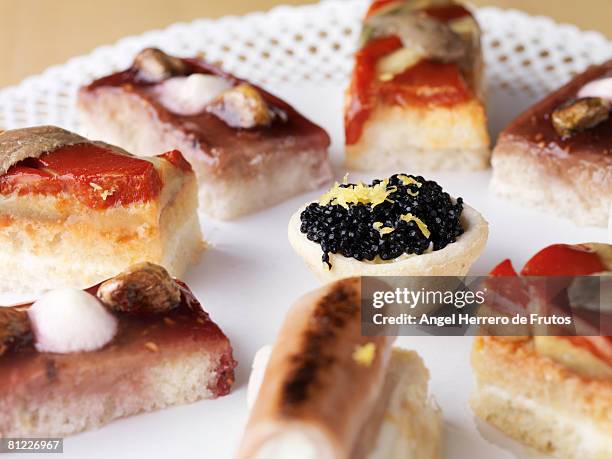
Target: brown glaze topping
<point>331,315</point>
<point>536,126</point>
<point>218,140</point>
<point>185,326</point>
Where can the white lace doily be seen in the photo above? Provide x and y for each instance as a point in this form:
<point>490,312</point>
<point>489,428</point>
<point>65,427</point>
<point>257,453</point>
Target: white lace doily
<point>523,53</point>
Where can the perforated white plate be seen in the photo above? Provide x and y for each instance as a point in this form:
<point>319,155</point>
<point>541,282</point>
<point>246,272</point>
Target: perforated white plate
<point>250,276</point>
<point>525,55</point>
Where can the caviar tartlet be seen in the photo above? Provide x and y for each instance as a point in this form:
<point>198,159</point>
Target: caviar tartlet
<point>328,392</point>
<point>249,149</point>
<point>403,225</point>
<point>553,393</point>
<point>74,212</point>
<point>415,95</point>
<point>557,155</point>
<point>78,359</point>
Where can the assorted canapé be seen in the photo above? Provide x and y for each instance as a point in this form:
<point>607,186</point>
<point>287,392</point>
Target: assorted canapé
<point>78,359</point>
<point>76,213</point>
<point>249,149</point>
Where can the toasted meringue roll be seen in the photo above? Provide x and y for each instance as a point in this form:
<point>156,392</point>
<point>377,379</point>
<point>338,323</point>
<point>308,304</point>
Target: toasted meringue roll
<point>330,393</point>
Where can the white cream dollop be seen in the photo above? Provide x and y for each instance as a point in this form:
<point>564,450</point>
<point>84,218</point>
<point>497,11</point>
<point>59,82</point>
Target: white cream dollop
<point>71,320</point>
<point>597,88</point>
<point>190,95</point>
<point>260,363</point>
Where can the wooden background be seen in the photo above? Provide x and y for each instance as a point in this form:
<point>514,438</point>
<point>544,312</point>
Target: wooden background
<point>37,33</point>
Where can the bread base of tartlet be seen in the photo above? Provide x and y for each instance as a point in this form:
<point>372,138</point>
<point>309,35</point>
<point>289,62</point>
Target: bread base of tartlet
<point>423,139</point>
<point>540,402</point>
<point>577,190</point>
<point>454,260</point>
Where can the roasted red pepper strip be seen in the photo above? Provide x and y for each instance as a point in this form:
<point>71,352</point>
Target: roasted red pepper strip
<point>505,268</point>
<point>95,175</point>
<point>361,99</point>
<point>564,260</point>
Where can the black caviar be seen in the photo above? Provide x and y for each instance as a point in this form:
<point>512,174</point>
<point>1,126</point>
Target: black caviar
<point>351,232</point>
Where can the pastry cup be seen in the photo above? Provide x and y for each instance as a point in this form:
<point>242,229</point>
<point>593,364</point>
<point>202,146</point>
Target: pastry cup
<point>453,260</point>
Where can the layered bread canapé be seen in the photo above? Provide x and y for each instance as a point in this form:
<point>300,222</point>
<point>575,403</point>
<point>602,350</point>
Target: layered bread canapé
<point>76,360</point>
<point>249,148</point>
<point>414,100</point>
<point>557,155</point>
<point>553,393</point>
<point>75,212</point>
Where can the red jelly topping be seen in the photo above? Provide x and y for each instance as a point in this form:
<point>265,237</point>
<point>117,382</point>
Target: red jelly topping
<point>177,159</point>
<point>378,5</point>
<point>426,83</point>
<point>507,295</point>
<point>442,12</point>
<point>447,13</point>
<point>504,269</point>
<point>564,260</point>
<point>96,176</point>
<point>362,91</point>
